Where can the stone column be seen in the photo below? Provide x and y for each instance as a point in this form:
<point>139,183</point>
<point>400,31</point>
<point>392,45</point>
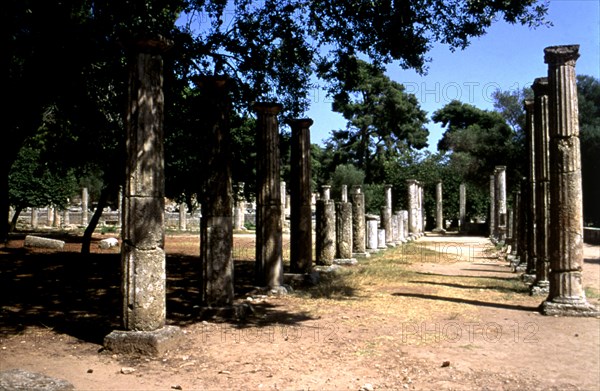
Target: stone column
<point>343,228</point>
<point>500,199</point>
<point>401,230</point>
<point>216,225</point>
<point>542,185</point>
<point>66,220</point>
<point>325,228</point>
<point>523,244</point>
<point>492,223</point>
<point>269,266</point>
<point>531,205</point>
<point>85,199</point>
<point>439,209</point>
<point>239,209</point>
<point>183,216</point>
<point>120,207</point>
<point>300,212</point>
<point>142,251</point>
<point>413,209</point>
<point>34,218</point>
<point>381,244</point>
<point>50,215</point>
<point>386,216</point>
<point>421,208</point>
<point>516,230</point>
<point>283,200</point>
<point>395,231</point>
<point>462,207</point>
<point>405,225</point>
<point>372,233</point>
<point>567,296</point>
<point>358,222</point>
<point>55,218</point>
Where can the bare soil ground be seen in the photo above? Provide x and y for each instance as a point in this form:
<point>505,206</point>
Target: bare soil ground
<point>442,313</point>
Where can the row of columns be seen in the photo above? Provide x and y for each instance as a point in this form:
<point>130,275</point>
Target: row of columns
<point>548,218</point>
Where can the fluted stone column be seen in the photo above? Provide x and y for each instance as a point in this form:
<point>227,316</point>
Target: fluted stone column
<point>462,206</point>
<point>401,230</point>
<point>343,227</point>
<point>531,205</point>
<point>56,218</point>
<point>386,216</point>
<point>325,228</point>
<point>421,208</point>
<point>516,227</point>
<point>66,218</point>
<point>413,208</point>
<point>85,198</point>
<point>381,244</point>
<point>142,254</point>
<point>500,198</point>
<point>492,223</point>
<point>439,209</point>
<point>405,224</point>
<point>300,197</point>
<point>542,184</point>
<point>216,226</point>
<point>283,192</point>
<point>359,248</point>
<point>567,296</point>
<point>269,230</point>
<point>521,266</point>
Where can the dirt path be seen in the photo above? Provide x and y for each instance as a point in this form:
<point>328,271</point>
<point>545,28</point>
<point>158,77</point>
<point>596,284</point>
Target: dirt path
<point>456,319</point>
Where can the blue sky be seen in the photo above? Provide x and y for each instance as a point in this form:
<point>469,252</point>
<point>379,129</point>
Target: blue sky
<point>508,57</point>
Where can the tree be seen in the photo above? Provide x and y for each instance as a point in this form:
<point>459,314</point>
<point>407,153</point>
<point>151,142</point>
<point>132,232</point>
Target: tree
<point>588,89</point>
<point>382,118</point>
<point>270,49</point>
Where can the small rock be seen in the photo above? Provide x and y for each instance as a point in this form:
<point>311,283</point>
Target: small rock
<point>127,370</point>
<point>367,387</point>
<point>225,372</point>
<point>90,371</point>
<point>176,387</point>
<point>445,364</point>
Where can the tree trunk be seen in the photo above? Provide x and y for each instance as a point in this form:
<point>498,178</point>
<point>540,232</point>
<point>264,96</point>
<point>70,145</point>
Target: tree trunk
<point>13,223</point>
<point>87,235</point>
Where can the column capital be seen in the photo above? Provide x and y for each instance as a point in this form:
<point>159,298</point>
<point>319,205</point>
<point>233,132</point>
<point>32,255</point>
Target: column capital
<point>301,123</point>
<point>356,189</point>
<point>540,86</point>
<point>500,168</point>
<point>386,187</point>
<point>267,107</point>
<point>561,55</point>
<point>153,44</point>
<point>412,181</point>
<point>216,82</point>
<point>528,104</point>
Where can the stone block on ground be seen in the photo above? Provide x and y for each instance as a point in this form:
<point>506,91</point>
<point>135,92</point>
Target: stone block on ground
<point>18,379</point>
<point>108,243</point>
<point>41,242</point>
<point>147,343</point>
<point>345,261</point>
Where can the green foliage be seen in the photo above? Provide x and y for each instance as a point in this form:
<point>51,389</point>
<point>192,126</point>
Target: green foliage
<point>345,174</point>
<point>33,184</point>
<point>382,119</point>
<point>589,127</point>
<point>374,198</point>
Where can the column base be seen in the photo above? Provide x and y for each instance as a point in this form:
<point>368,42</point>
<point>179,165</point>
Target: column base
<point>519,268</point>
<point>580,309</point>
<point>345,261</point>
<point>540,288</point>
<point>439,230</point>
<point>145,343</point>
<point>528,278</point>
<point>361,255</point>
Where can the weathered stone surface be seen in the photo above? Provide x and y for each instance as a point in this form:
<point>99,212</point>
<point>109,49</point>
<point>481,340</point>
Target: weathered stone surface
<point>217,261</point>
<point>413,208</point>
<point>21,380</point>
<point>300,197</point>
<point>381,243</point>
<point>151,343</point>
<point>41,242</point>
<point>359,234</point>
<point>439,209</point>
<point>325,229</point>
<point>343,231</point>
<point>500,199</point>
<point>492,217</point>
<point>566,296</point>
<point>144,287</point>
<point>108,243</point>
<point>372,233</point>
<point>269,228</point>
<point>462,206</point>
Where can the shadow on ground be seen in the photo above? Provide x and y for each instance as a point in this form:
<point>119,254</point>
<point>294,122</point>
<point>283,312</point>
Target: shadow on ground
<point>80,295</point>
